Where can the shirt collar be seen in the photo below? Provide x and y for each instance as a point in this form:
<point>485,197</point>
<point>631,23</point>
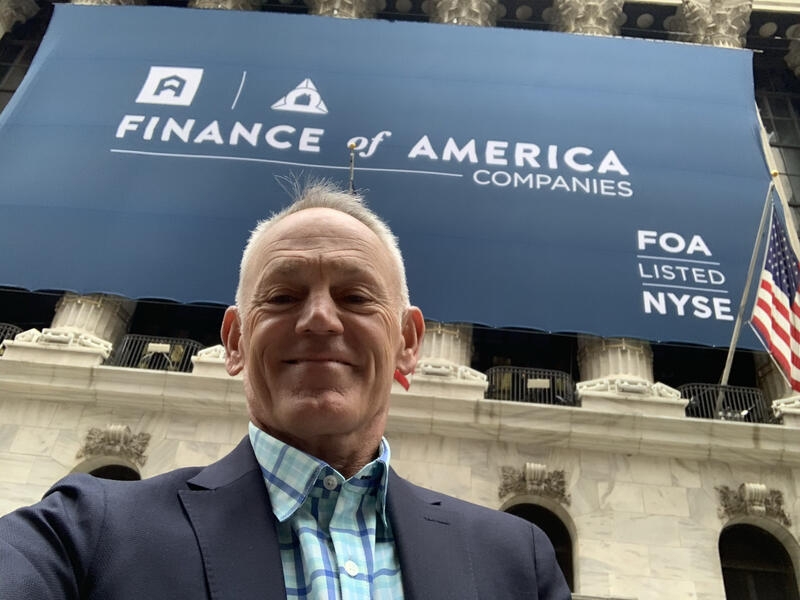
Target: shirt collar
<point>290,474</point>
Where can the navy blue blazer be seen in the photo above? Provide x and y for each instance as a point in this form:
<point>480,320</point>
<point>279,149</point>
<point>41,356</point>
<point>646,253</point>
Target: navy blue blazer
<point>209,532</point>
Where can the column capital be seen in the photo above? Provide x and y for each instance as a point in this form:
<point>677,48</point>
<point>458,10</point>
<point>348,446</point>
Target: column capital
<point>592,17</point>
<point>792,57</point>
<point>15,11</point>
<point>344,9</point>
<point>481,13</point>
<point>721,23</point>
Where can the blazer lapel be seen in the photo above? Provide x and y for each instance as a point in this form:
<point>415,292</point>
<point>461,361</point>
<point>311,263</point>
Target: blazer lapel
<point>229,510</point>
<point>434,558</point>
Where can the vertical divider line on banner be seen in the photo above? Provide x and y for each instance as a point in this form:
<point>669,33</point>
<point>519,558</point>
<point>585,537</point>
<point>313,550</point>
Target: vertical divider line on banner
<point>737,326</point>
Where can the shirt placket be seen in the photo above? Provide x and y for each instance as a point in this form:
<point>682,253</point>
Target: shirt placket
<point>352,531</point>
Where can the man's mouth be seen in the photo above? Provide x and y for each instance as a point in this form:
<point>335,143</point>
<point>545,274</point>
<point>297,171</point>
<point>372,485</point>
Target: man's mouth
<point>323,360</point>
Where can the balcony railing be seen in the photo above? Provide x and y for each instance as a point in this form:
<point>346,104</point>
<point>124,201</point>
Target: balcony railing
<point>726,402</point>
<point>523,384</point>
<point>153,352</point>
<point>8,331</point>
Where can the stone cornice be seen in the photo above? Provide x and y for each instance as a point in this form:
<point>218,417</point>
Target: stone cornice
<point>583,429</point>
<point>427,413</point>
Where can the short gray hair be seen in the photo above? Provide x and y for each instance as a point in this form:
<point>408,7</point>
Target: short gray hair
<point>326,194</point>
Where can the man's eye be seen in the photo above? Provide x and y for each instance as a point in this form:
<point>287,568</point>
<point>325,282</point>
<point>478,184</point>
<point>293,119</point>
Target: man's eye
<point>281,299</point>
<point>356,299</point>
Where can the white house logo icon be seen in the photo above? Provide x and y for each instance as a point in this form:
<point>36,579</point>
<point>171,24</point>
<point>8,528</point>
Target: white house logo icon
<point>304,98</point>
<point>170,85</point>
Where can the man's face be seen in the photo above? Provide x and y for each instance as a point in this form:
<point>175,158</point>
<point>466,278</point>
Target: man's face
<point>321,329</point>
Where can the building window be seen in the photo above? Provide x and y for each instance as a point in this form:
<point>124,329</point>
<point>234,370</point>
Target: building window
<point>555,529</point>
<point>778,99</point>
<point>755,565</point>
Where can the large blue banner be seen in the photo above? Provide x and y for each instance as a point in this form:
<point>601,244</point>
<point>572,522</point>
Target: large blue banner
<point>535,179</point>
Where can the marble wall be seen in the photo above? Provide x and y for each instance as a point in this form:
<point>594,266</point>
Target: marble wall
<point>645,525</point>
<point>40,440</point>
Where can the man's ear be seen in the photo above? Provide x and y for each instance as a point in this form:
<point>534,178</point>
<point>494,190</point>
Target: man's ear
<point>231,334</point>
<point>413,330</point>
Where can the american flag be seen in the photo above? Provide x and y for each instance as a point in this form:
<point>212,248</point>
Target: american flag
<point>776,314</point>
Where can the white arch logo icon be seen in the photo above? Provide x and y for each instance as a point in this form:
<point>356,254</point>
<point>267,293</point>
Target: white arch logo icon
<point>304,99</point>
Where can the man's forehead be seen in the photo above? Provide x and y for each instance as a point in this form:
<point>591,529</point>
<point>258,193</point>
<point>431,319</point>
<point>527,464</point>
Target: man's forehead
<point>343,264</point>
<point>317,234</point>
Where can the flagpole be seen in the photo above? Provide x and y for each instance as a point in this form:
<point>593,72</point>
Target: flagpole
<point>737,326</point>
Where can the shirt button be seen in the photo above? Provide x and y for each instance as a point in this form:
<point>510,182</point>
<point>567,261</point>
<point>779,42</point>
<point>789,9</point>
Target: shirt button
<point>330,483</point>
<point>351,568</point>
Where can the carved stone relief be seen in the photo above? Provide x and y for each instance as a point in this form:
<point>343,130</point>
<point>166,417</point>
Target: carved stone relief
<point>536,480</point>
<point>115,440</point>
<point>752,499</point>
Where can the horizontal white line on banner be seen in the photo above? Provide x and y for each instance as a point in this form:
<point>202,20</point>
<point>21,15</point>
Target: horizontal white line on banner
<point>685,287</point>
<point>687,260</point>
<point>280,162</point>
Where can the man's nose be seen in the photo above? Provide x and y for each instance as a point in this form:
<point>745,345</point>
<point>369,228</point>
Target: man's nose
<point>319,315</point>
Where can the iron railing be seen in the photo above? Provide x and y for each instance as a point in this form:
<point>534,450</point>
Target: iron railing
<point>154,352</point>
<point>8,331</point>
<point>726,402</point>
<point>524,384</point>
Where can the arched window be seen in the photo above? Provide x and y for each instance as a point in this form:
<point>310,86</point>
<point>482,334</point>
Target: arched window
<point>555,530</point>
<point>118,472</point>
<point>755,565</point>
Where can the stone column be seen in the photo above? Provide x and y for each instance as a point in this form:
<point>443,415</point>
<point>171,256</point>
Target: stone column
<point>792,57</point>
<point>15,11</point>
<point>99,316</point>
<point>344,9</point>
<point>617,376</point>
<point>592,17</point>
<point>447,342</point>
<point>601,358</point>
<point>443,368</point>
<point>784,400</point>
<point>83,332</point>
<point>770,379</point>
<point>447,348</point>
<point>714,22</point>
<point>480,13</point>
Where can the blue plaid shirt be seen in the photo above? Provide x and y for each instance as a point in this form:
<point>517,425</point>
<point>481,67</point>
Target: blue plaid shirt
<point>335,539</point>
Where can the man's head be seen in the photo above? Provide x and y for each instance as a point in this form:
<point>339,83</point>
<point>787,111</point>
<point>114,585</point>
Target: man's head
<point>321,323</point>
<point>324,194</point>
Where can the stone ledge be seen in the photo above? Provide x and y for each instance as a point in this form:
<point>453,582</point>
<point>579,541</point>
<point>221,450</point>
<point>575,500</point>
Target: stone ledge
<point>584,429</point>
<point>52,353</point>
<point>424,413</point>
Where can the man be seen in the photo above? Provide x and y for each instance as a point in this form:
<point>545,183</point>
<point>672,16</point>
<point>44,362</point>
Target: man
<point>307,507</point>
